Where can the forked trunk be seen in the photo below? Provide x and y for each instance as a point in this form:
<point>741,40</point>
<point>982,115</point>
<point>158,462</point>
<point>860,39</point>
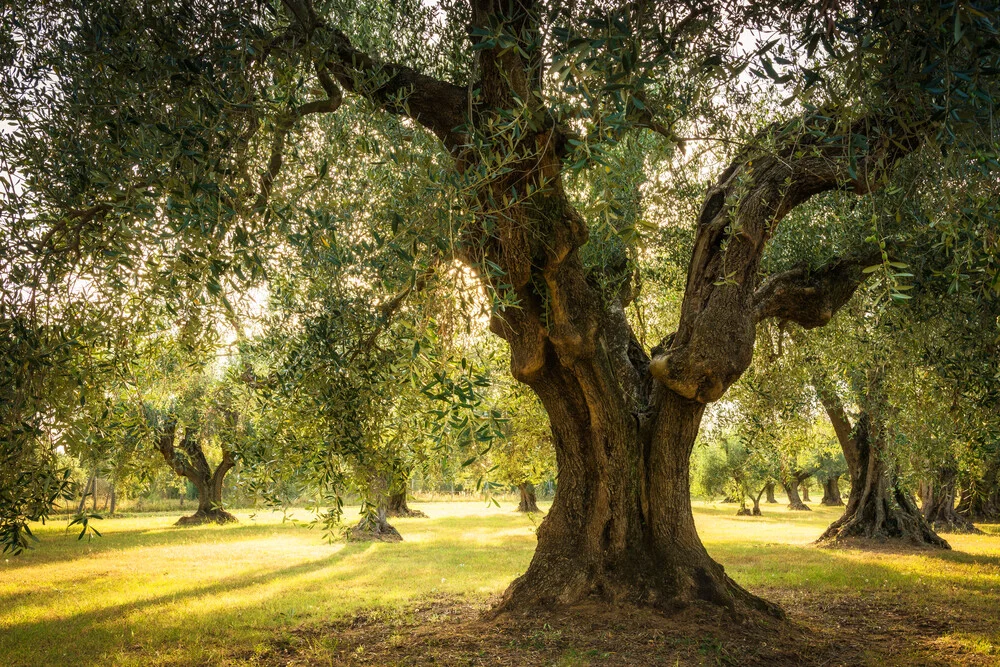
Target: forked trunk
<point>190,463</point>
<point>939,504</point>
<point>88,489</point>
<point>791,490</point>
<point>756,501</point>
<point>769,489</point>
<point>831,492</point>
<point>529,502</point>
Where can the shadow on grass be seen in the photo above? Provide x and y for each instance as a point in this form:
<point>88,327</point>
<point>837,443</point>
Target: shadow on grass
<point>224,585</point>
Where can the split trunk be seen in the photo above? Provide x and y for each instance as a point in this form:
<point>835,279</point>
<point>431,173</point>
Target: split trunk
<point>188,460</point>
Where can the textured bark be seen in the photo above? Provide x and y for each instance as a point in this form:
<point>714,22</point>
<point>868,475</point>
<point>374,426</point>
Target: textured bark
<point>938,500</point>
<point>623,420</point>
<point>831,492</point>
<point>878,507</point>
<point>188,460</point>
<point>769,489</point>
<point>398,507</point>
<point>791,487</point>
<point>529,502</point>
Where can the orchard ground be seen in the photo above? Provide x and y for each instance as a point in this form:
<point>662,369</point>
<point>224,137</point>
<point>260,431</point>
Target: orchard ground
<point>268,592</point>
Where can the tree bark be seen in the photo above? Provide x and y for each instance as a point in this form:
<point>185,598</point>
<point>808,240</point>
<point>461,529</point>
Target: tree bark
<point>831,492</point>
<point>939,504</point>
<point>189,462</point>
<point>878,507</point>
<point>790,485</point>
<point>769,489</point>
<point>624,421</point>
<point>114,499</point>
<point>529,502</point>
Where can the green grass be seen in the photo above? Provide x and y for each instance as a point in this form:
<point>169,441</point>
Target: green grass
<point>149,593</point>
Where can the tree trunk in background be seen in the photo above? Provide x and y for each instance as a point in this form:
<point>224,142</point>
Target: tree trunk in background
<point>87,489</point>
<point>791,490</point>
<point>878,507</point>
<point>804,486</point>
<point>114,499</point>
<point>756,502</point>
<point>190,463</point>
<point>980,499</point>
<point>831,492</point>
<point>939,504</point>
<point>769,489</point>
<point>529,502</point>
<point>398,506</point>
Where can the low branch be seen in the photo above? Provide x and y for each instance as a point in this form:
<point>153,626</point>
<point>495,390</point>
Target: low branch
<point>810,298</point>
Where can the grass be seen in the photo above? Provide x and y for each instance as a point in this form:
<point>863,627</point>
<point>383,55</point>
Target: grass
<point>148,593</point>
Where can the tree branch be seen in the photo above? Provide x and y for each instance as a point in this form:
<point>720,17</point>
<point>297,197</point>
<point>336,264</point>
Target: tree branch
<point>810,298</point>
<point>398,89</point>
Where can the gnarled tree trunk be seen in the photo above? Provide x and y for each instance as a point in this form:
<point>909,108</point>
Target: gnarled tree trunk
<point>624,421</point>
<point>938,502</point>
<point>878,507</point>
<point>791,486</point>
<point>189,462</point>
<point>831,492</point>
<point>529,502</point>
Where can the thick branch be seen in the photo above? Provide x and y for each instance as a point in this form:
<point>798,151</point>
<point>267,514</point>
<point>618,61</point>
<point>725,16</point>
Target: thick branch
<point>808,297</point>
<point>437,105</point>
<point>722,305</point>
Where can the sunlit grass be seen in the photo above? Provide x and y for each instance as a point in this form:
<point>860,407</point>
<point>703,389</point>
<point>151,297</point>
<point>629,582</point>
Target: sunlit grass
<point>149,593</point>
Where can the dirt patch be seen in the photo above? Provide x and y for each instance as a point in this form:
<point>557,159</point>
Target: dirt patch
<point>453,631</point>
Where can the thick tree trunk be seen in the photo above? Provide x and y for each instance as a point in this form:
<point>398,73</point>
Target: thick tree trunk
<point>878,507</point>
<point>621,528</point>
<point>831,492</point>
<point>939,504</point>
<point>791,490</point>
<point>804,486</point>
<point>190,463</point>
<point>769,489</point>
<point>529,502</point>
